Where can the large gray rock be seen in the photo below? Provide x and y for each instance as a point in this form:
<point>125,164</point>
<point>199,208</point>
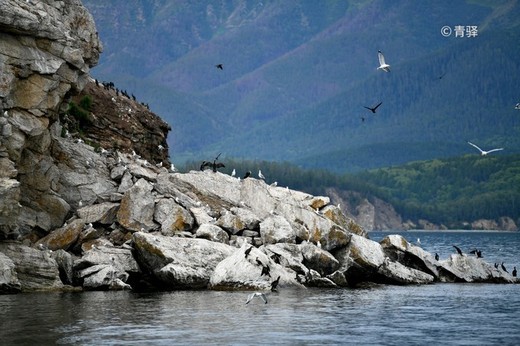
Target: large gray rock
<point>9,282</point>
<point>104,213</point>
<point>137,208</point>
<point>36,269</point>
<point>364,260</point>
<point>172,217</point>
<point>472,269</point>
<point>179,262</point>
<point>212,233</point>
<point>239,272</point>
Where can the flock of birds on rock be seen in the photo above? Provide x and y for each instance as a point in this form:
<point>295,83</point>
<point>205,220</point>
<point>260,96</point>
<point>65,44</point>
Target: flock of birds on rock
<point>266,270</point>
<point>478,253</point>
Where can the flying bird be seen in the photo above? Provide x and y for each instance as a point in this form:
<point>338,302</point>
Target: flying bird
<point>485,152</point>
<point>382,64</point>
<point>458,250</point>
<point>373,109</point>
<point>256,294</point>
<point>219,66</point>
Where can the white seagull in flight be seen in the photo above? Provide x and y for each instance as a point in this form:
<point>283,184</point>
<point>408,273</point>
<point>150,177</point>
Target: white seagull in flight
<point>382,64</point>
<point>256,294</point>
<point>484,152</point>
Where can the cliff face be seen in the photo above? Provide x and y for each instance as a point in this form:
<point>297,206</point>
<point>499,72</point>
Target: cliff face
<point>47,48</point>
<point>46,51</point>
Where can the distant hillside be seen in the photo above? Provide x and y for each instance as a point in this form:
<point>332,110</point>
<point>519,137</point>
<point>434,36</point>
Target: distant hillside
<point>297,75</point>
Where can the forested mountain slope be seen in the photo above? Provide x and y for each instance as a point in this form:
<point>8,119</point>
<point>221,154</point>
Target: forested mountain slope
<point>297,74</point>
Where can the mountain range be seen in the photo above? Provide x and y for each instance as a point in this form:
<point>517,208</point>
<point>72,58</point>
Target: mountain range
<point>297,75</point>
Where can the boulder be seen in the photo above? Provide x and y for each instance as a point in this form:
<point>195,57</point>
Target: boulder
<point>104,213</point>
<point>9,282</point>
<point>473,269</point>
<point>179,262</point>
<point>212,233</point>
<point>240,272</point>
<point>364,260</point>
<point>102,277</point>
<point>137,208</point>
<point>172,217</point>
<point>276,229</point>
<point>36,269</point>
<point>64,237</point>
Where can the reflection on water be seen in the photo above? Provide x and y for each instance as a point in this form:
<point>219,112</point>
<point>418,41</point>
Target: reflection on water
<point>460,314</point>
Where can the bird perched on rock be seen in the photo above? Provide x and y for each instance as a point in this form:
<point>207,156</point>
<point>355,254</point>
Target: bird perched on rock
<point>476,252</point>
<point>458,250</point>
<point>504,267</point>
<point>247,175</point>
<point>436,256</point>
<point>514,272</point>
<point>248,251</point>
<point>233,173</point>
<point>266,270</point>
<point>274,284</point>
<point>260,175</point>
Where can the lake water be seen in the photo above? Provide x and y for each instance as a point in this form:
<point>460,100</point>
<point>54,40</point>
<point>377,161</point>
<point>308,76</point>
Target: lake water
<point>454,314</point>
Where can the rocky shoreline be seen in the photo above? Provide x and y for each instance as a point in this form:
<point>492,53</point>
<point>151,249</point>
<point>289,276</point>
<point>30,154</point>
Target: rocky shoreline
<point>100,208</point>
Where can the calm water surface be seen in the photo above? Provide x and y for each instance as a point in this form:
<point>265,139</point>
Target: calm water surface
<point>451,314</point>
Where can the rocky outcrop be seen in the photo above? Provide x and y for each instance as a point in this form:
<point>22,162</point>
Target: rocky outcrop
<point>88,200</point>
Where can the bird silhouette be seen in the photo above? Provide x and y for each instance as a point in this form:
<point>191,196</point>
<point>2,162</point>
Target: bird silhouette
<point>219,66</point>
<point>514,272</point>
<point>436,256</point>
<point>247,175</point>
<point>274,284</point>
<point>373,109</point>
<point>458,250</point>
<point>246,253</point>
<point>504,267</point>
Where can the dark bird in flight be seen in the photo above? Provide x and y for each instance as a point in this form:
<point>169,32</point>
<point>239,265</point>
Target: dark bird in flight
<point>373,109</point>
<point>458,249</point>
<point>436,256</point>
<point>248,174</point>
<point>219,66</point>
<point>274,284</point>
<point>248,251</point>
<point>442,75</point>
<point>514,272</point>
<point>504,267</point>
